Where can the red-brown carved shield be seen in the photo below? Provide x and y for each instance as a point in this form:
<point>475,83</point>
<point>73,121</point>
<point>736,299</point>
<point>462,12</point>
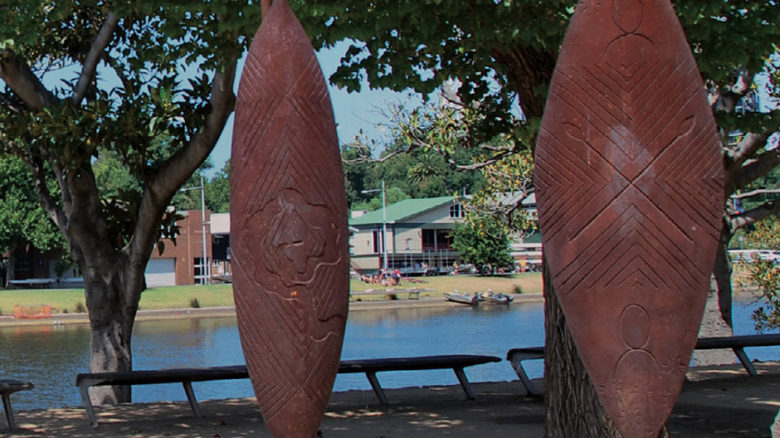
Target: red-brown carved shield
<point>630,191</point>
<point>288,228</point>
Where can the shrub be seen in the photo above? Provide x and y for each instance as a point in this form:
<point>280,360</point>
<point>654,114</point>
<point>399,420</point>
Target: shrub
<point>517,289</point>
<point>194,303</point>
<point>80,308</point>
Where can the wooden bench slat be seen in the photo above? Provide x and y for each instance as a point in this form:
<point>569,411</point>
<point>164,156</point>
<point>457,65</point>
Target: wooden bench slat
<point>187,375</point>
<point>736,343</point>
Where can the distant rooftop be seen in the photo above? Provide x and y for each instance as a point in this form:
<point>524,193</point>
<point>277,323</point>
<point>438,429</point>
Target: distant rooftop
<point>402,210</point>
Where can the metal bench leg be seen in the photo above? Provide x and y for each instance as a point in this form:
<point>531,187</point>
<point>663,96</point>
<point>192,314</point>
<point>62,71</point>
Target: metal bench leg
<point>380,393</point>
<point>9,412</point>
<point>740,352</point>
<point>84,390</point>
<point>464,382</point>
<point>191,397</point>
<point>517,363</point>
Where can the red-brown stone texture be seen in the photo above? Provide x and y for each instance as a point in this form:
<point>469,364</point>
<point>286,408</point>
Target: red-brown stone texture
<point>630,191</point>
<point>289,228</point>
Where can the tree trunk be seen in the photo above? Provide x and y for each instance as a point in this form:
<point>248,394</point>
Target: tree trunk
<point>717,320</point>
<point>10,267</point>
<point>111,318</point>
<point>573,407</point>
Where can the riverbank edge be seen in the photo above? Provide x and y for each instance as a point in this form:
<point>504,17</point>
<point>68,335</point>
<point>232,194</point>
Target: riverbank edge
<point>230,311</point>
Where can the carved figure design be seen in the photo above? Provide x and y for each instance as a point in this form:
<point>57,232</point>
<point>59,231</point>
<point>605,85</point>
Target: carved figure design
<point>289,228</point>
<point>630,190</point>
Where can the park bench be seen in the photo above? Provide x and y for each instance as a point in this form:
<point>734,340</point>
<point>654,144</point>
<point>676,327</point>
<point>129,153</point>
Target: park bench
<point>8,387</point>
<point>186,376</point>
<point>736,343</point>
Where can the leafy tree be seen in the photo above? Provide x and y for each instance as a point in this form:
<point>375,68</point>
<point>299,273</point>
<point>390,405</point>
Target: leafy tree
<point>22,219</point>
<point>764,274</point>
<point>504,53</point>
<point>145,83</point>
<point>218,191</point>
<point>484,242</point>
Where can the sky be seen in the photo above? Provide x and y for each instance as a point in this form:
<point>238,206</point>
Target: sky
<point>353,111</point>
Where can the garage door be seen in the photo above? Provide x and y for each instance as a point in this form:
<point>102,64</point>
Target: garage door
<point>161,272</point>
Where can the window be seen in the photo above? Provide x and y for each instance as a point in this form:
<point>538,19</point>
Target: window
<point>436,239</point>
<point>377,241</point>
<point>457,211</point>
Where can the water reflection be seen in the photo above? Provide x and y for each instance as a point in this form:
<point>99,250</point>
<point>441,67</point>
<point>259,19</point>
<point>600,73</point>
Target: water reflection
<point>51,356</point>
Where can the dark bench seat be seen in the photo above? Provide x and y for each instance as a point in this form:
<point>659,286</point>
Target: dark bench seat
<point>8,387</point>
<point>736,343</point>
<point>457,362</point>
<point>186,376</point>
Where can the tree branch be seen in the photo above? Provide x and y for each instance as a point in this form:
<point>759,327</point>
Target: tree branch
<point>21,79</point>
<point>756,193</point>
<point>744,150</point>
<point>754,215</point>
<point>102,39</point>
<point>164,183</point>
<point>755,169</point>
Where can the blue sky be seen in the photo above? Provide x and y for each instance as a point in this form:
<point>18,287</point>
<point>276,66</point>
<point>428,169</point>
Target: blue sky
<point>353,111</point>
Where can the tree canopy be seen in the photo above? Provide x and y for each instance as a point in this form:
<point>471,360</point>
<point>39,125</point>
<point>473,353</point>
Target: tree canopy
<point>88,86</point>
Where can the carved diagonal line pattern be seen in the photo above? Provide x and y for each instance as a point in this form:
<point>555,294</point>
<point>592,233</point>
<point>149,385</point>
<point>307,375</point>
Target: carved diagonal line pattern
<point>667,179</point>
<point>290,280</point>
<point>570,185</point>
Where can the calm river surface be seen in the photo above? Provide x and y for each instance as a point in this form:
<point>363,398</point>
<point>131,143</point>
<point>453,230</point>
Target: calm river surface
<point>51,356</point>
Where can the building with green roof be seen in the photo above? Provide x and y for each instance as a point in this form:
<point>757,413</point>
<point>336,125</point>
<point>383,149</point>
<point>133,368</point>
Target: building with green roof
<point>418,235</point>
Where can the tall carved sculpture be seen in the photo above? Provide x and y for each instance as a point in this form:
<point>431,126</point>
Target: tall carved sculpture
<point>289,228</point>
<point>630,191</point>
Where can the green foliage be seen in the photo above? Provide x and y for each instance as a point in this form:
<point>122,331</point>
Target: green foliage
<point>764,274</point>
<point>484,242</point>
<point>21,216</point>
<point>194,303</point>
<point>218,191</point>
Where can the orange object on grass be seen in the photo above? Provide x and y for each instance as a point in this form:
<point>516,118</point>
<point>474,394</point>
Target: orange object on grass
<point>32,312</point>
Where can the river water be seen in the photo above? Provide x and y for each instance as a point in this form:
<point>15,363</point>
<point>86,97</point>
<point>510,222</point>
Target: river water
<point>51,356</point>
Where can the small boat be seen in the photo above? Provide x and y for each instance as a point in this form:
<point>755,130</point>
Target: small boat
<point>462,298</point>
<point>496,298</point>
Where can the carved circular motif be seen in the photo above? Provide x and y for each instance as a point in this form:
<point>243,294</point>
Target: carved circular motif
<point>635,326</point>
<point>628,15</point>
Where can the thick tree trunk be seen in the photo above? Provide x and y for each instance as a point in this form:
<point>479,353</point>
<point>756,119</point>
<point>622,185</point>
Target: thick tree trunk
<point>111,315</point>
<point>573,407</point>
<point>717,319</point>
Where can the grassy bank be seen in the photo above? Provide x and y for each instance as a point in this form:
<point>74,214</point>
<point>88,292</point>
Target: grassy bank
<point>220,295</point>
<point>72,300</point>
<point>527,283</point>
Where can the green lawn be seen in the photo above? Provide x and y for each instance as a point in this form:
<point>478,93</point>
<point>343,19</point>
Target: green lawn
<point>529,282</point>
<point>220,295</point>
<point>69,300</point>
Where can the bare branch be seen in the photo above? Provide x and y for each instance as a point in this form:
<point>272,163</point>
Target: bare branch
<point>756,193</point>
<point>754,215</point>
<point>755,169</point>
<point>21,79</point>
<point>745,149</point>
<point>102,39</point>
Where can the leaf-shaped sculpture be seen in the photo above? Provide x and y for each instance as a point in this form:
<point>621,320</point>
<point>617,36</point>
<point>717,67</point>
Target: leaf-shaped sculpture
<point>288,228</point>
<point>630,190</point>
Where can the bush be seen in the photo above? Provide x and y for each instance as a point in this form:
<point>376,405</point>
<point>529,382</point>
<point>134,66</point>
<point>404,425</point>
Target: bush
<point>517,289</point>
<point>80,308</point>
<point>194,303</point>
